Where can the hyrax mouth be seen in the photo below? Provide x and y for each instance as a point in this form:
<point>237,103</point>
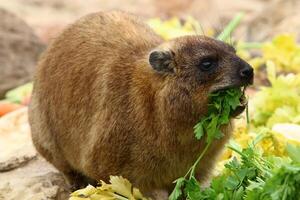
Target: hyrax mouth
<point>243,100</point>
<point>243,103</point>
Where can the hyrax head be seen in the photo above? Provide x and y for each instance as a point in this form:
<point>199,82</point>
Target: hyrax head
<point>201,63</point>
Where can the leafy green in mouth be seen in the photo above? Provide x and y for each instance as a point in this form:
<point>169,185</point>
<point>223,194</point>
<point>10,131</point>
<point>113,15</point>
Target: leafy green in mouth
<point>221,105</point>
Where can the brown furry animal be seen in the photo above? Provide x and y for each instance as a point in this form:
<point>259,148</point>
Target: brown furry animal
<point>112,98</point>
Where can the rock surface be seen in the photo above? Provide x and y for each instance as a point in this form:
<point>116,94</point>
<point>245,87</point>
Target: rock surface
<point>15,142</point>
<point>23,174</point>
<point>36,180</point>
<point>19,51</point>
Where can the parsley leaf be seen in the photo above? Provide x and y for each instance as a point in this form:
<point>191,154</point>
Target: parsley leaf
<point>177,192</point>
<point>221,104</point>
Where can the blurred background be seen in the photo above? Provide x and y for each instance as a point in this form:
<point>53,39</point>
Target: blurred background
<point>266,33</point>
<point>263,18</point>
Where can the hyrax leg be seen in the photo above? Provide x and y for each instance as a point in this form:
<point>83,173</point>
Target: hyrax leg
<point>75,179</point>
<point>45,143</point>
<point>78,180</point>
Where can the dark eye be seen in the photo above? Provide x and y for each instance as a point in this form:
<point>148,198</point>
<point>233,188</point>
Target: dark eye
<point>207,64</point>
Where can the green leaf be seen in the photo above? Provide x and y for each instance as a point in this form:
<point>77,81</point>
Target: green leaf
<point>238,194</point>
<point>232,183</point>
<point>224,35</point>
<point>192,189</point>
<point>218,134</point>
<point>177,192</point>
<point>221,104</point>
<point>234,102</point>
<point>211,129</point>
<point>224,118</point>
<point>293,152</point>
<point>17,95</point>
<point>199,131</point>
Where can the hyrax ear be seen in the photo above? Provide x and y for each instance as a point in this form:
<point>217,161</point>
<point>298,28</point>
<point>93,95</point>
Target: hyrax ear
<point>162,61</point>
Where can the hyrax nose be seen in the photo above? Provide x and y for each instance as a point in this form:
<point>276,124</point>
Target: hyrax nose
<point>247,72</point>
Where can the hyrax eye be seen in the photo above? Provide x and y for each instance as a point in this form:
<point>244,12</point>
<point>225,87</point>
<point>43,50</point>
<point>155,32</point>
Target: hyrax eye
<point>207,64</point>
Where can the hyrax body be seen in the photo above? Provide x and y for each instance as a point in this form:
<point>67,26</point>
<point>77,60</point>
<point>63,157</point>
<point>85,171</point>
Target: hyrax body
<point>112,98</point>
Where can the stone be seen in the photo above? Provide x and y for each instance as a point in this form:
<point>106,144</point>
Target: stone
<point>15,141</point>
<point>37,180</point>
<point>24,174</point>
<point>20,49</point>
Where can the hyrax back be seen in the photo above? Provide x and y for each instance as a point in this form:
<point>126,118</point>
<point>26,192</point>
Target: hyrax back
<point>112,98</point>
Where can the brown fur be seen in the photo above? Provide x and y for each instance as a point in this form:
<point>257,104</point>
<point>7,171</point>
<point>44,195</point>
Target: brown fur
<point>98,107</point>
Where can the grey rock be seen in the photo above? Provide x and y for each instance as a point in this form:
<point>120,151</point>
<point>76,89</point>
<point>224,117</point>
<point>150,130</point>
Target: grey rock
<point>23,174</point>
<point>20,49</point>
<point>37,180</point>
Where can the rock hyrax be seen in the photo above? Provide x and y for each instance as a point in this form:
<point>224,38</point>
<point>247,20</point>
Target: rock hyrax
<point>111,97</point>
